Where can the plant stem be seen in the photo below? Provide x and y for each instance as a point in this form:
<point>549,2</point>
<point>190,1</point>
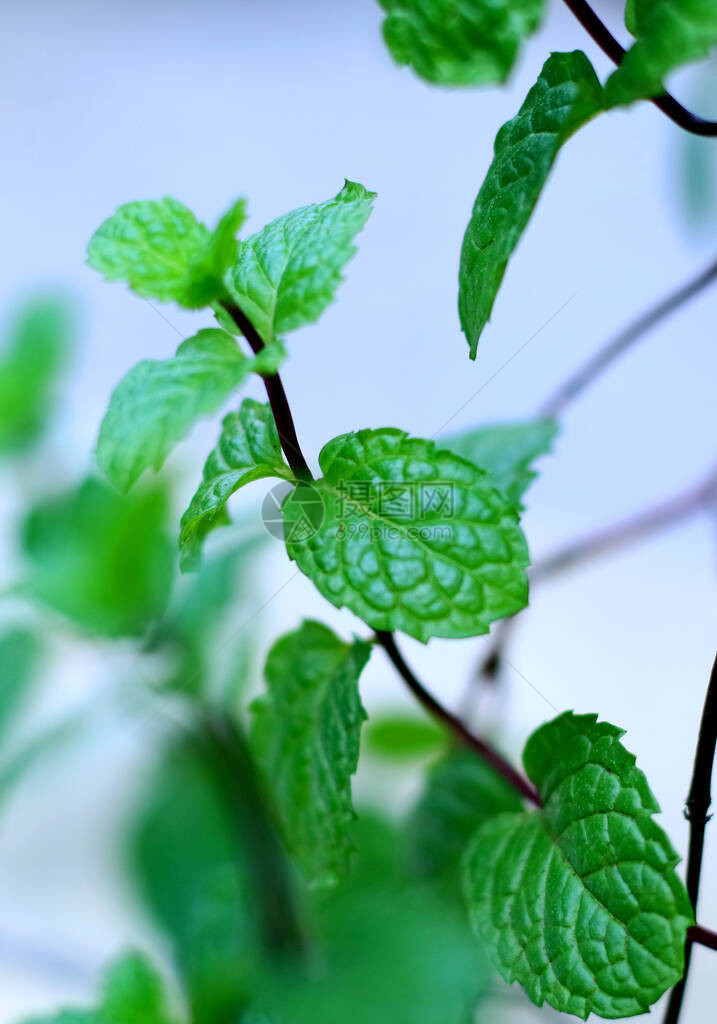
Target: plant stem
<point>228,756</point>
<point>456,726</point>
<point>290,445</point>
<point>276,395</point>
<point>627,531</point>
<point>697,813</point>
<point>610,46</point>
<point>702,936</point>
<point>617,346</point>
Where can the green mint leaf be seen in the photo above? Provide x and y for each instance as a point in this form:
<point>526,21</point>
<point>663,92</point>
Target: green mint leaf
<point>19,661</point>
<point>566,95</point>
<point>152,245</point>
<point>205,280</point>
<point>157,403</point>
<point>461,793</point>
<point>579,902</point>
<point>506,451</point>
<point>306,737</point>
<point>459,43</point>
<point>248,449</point>
<point>287,273</point>
<point>163,252</point>
<point>133,993</point>
<point>100,559</point>
<point>669,33</point>
<point>397,736</point>
<point>30,362</point>
<point>408,536</point>
<point>194,877</point>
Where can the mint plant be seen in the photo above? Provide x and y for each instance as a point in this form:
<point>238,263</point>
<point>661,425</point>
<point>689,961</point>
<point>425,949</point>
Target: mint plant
<point>570,885</point>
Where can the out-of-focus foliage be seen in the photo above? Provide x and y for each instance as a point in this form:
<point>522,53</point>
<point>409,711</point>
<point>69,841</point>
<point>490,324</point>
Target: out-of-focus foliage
<point>132,993</point>
<point>100,559</point>
<point>191,629</point>
<point>399,736</point>
<point>19,662</point>
<point>459,42</point>
<point>668,34</point>
<point>34,353</point>
<point>190,859</point>
<point>506,452</point>
<point>389,951</point>
<point>696,159</point>
<point>460,793</point>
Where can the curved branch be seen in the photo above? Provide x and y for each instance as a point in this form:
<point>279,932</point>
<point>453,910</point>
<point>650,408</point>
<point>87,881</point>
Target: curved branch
<point>491,756</point>
<point>610,46</point>
<point>697,813</point>
<point>627,531</point>
<point>564,395</point>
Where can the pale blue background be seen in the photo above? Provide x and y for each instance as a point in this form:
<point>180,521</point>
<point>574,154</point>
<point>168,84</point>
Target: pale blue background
<point>279,100</point>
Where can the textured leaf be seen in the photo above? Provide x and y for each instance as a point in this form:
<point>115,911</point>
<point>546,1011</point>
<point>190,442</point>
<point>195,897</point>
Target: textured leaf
<point>566,95</point>
<point>158,402</point>
<point>580,902</point>
<point>19,661</point>
<point>248,449</point>
<point>399,736</point>
<point>505,451</point>
<point>187,858</point>
<point>133,993</point>
<point>408,536</point>
<point>163,252</point>
<point>306,737</point>
<point>38,343</point>
<point>461,793</point>
<point>287,273</point>
<point>669,33</point>
<point>459,42</point>
<point>100,559</point>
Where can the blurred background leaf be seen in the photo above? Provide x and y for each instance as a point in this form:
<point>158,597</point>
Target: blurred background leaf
<point>35,351</point>
<point>102,560</point>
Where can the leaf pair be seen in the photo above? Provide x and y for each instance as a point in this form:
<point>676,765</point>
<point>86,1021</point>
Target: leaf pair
<point>282,278</point>
<point>163,252</point>
<point>400,530</point>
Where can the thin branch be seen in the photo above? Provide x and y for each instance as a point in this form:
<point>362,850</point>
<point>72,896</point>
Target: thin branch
<point>276,395</point>
<point>610,46</point>
<point>627,531</point>
<point>697,813</point>
<point>456,726</point>
<point>617,346</point>
<point>702,936</point>
<point>295,457</point>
